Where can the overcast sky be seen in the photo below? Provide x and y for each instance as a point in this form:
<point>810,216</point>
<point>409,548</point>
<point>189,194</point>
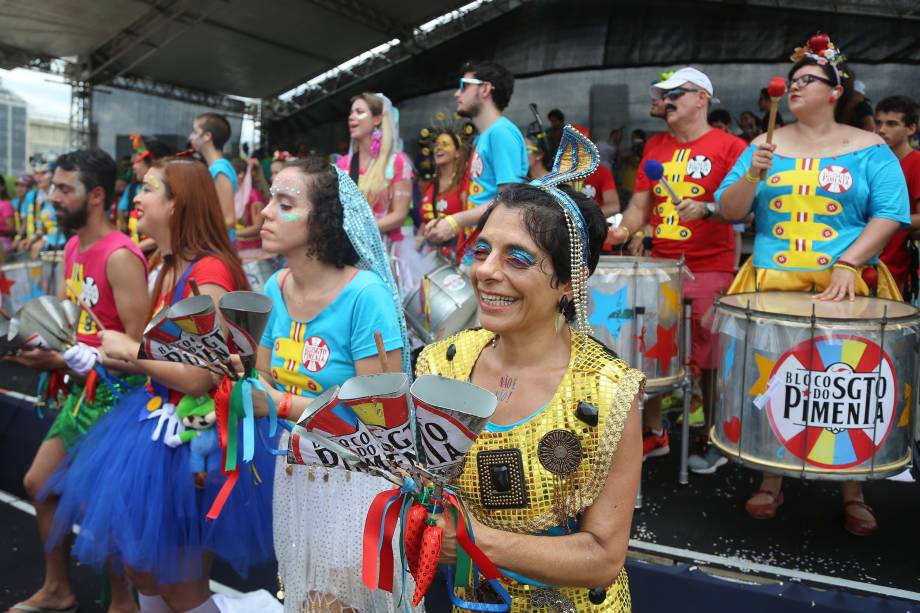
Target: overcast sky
<point>46,95</point>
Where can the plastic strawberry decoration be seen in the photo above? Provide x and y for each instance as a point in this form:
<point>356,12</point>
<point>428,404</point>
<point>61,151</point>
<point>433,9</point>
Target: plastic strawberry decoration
<point>414,530</point>
<point>428,561</point>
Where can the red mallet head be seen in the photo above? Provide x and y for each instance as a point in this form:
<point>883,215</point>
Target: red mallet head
<point>777,87</point>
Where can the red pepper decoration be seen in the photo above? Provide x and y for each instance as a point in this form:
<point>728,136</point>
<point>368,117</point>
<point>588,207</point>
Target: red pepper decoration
<point>92,380</point>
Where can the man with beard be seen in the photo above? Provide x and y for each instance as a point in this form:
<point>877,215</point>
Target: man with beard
<point>109,273</point>
<point>696,157</point>
<point>499,155</point>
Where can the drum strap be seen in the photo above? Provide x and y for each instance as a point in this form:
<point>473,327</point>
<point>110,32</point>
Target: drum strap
<point>354,169</point>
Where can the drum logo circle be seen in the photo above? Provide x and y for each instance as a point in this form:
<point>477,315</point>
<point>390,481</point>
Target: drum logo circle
<point>315,354</point>
<point>831,400</point>
<point>454,282</point>
<point>835,179</point>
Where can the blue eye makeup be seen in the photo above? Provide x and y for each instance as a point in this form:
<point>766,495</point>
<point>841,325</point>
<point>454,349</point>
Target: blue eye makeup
<point>481,250</point>
<point>519,258</point>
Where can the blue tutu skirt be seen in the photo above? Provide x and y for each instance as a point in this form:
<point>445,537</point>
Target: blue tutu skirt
<point>136,502</point>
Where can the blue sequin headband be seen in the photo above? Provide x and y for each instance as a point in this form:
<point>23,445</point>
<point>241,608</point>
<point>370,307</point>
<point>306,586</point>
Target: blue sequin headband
<point>576,158</point>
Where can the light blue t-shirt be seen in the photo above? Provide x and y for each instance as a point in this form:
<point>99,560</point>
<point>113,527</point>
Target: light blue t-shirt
<point>810,210</point>
<point>310,357</point>
<point>222,166</point>
<point>124,204</point>
<point>499,157</point>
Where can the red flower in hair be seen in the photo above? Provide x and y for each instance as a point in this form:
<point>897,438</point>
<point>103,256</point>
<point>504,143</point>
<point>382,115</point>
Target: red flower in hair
<point>818,43</point>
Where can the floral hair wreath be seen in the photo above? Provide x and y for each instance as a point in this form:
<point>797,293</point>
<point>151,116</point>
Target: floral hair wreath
<point>820,48</point>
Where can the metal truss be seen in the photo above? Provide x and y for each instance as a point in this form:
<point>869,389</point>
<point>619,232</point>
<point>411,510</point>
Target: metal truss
<point>408,47</point>
<point>902,9</point>
<point>80,130</point>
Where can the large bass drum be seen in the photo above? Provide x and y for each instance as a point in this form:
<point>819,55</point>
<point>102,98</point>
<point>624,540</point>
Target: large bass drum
<point>621,284</point>
<point>815,389</point>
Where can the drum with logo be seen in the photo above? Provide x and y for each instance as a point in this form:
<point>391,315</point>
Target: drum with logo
<point>259,270</point>
<point>19,283</point>
<point>52,271</point>
<point>617,287</point>
<point>443,304</point>
<point>815,389</point>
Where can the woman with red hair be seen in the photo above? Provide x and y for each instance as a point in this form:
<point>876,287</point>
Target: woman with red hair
<point>130,483</point>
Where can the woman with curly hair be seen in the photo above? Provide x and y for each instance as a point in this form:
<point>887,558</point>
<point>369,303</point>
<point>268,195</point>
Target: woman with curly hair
<point>327,307</point>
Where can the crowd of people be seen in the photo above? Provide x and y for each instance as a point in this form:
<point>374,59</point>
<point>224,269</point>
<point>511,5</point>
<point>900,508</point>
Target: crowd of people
<point>523,214</point>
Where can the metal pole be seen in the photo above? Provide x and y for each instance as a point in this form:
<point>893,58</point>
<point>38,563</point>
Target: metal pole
<point>687,384</point>
<point>639,324</point>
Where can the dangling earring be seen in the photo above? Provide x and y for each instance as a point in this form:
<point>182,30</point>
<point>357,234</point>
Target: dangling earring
<point>376,138</point>
<point>560,317</point>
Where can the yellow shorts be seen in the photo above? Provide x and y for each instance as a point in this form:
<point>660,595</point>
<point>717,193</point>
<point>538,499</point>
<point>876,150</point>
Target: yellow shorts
<point>750,279</point>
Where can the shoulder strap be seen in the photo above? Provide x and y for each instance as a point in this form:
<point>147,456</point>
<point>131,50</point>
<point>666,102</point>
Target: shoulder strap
<point>179,290</point>
<point>354,168</point>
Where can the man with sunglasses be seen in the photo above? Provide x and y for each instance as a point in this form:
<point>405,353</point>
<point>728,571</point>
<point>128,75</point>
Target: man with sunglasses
<point>499,156</point>
<point>696,157</point>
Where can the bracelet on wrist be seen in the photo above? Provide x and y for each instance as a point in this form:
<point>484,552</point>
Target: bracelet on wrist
<point>452,223</point>
<point>639,234</point>
<point>284,407</point>
<point>751,179</point>
<point>627,230</point>
<point>846,266</point>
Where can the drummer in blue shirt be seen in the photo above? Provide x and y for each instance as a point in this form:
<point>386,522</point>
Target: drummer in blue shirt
<point>832,198</point>
<point>499,155</point>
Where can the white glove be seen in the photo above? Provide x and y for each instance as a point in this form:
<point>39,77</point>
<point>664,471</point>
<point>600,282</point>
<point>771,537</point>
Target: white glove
<point>81,358</point>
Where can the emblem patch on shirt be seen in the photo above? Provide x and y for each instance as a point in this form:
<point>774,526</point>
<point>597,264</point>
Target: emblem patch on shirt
<point>699,166</point>
<point>835,179</point>
<point>501,479</point>
<point>315,354</point>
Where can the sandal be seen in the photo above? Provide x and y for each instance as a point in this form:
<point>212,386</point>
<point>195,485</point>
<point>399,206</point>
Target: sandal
<point>857,525</point>
<point>764,510</point>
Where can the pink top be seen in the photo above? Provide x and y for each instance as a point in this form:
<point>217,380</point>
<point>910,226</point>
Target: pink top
<point>250,243</point>
<point>86,271</point>
<point>6,211</point>
<point>399,169</point>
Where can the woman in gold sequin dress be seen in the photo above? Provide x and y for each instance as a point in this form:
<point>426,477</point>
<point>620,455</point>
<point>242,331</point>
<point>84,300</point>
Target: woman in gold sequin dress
<point>551,483</point>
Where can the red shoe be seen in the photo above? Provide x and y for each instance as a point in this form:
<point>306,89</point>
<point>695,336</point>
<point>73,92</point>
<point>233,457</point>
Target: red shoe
<point>764,510</point>
<point>857,525</point>
<point>654,445</point>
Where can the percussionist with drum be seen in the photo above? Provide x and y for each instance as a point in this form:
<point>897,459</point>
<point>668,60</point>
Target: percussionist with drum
<point>685,222</point>
<point>827,198</point>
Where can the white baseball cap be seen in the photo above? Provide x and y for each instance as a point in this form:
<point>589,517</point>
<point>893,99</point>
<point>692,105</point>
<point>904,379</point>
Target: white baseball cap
<point>859,87</point>
<point>684,75</point>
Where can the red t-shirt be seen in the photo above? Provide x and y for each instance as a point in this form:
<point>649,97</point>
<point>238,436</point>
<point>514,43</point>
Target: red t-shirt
<point>695,170</point>
<point>598,182</point>
<point>208,270</point>
<point>448,204</point>
<point>895,253</point>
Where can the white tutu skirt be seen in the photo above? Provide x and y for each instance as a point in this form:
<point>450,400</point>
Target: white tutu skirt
<point>318,529</point>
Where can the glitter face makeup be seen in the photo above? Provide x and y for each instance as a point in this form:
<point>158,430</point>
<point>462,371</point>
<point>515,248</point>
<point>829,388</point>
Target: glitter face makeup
<point>519,258</point>
<point>516,257</point>
<point>277,190</point>
<point>153,182</point>
<point>294,215</point>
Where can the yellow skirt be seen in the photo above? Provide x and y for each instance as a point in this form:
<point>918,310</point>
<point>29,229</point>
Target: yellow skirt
<point>750,279</point>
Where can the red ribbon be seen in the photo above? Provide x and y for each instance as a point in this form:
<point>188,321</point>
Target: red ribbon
<point>92,379</point>
<point>377,565</point>
<point>486,567</point>
<point>222,412</point>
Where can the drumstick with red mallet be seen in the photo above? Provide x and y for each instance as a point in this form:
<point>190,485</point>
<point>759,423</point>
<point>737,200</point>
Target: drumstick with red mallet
<point>776,90</point>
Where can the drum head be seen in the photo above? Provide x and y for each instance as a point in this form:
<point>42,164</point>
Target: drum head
<point>799,305</point>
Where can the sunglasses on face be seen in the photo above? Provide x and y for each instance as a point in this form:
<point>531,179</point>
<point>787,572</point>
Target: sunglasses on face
<point>807,79</point>
<point>465,81</point>
<point>677,92</point>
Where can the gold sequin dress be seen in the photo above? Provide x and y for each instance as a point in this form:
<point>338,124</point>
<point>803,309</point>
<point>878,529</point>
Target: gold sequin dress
<point>544,473</point>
